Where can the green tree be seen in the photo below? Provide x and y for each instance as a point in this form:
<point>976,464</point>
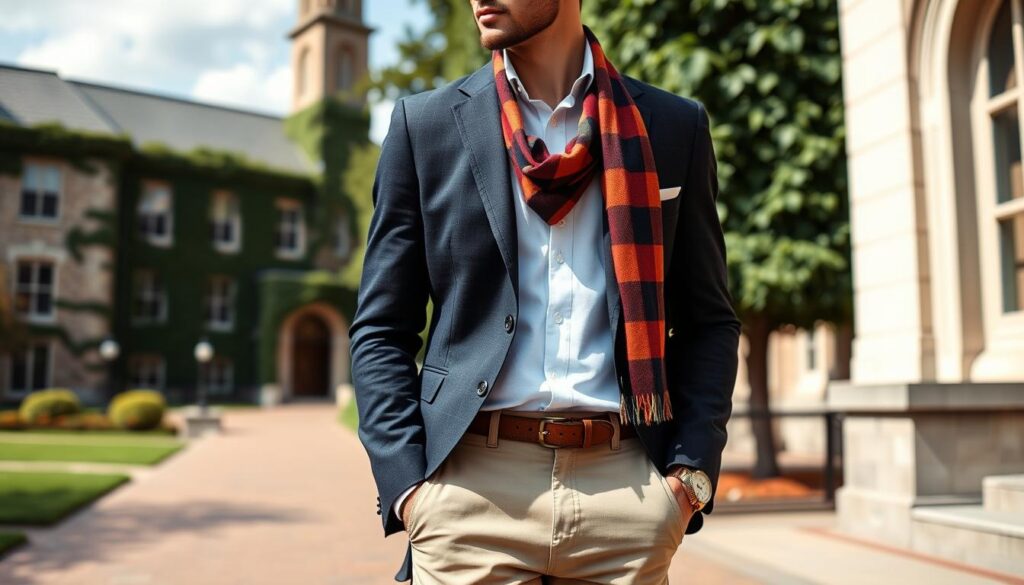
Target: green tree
<point>768,72</point>
<point>448,48</point>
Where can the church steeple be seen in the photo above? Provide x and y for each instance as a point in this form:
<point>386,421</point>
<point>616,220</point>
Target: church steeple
<point>330,46</point>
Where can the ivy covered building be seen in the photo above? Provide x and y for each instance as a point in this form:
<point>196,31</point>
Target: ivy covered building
<point>158,222</point>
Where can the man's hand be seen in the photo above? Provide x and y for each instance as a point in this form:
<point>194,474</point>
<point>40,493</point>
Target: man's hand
<point>406,505</point>
<point>680,493</point>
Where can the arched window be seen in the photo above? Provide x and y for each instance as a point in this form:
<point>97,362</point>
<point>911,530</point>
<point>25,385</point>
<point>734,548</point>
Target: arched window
<point>302,72</point>
<point>1001,205</point>
<point>345,75</point>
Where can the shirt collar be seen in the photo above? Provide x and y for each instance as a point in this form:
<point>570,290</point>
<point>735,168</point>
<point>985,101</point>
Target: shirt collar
<point>578,87</point>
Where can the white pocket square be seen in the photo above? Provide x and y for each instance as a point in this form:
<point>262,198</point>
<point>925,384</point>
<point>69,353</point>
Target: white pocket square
<point>668,192</point>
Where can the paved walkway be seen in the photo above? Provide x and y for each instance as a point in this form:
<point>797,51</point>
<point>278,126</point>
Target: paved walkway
<point>283,496</point>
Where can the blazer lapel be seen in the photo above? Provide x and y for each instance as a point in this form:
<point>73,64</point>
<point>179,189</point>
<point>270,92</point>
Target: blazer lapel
<point>479,123</point>
<point>611,284</point>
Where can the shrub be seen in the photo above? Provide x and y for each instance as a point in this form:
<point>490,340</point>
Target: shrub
<point>137,410</point>
<point>43,405</point>
<point>10,420</point>
<point>84,421</point>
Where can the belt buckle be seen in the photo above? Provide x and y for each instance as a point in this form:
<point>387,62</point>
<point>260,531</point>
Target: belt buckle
<point>541,432</point>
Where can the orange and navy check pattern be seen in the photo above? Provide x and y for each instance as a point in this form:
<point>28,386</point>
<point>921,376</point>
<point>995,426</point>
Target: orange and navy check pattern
<point>553,183</point>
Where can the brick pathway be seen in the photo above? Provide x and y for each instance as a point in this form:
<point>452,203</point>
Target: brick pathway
<point>283,496</point>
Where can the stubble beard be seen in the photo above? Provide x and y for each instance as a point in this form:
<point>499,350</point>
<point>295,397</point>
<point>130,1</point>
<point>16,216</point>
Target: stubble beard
<point>538,19</point>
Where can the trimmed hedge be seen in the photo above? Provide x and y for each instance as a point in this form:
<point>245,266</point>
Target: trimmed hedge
<point>49,404</point>
<point>137,409</point>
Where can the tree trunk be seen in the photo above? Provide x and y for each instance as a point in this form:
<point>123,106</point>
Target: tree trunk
<point>758,330</point>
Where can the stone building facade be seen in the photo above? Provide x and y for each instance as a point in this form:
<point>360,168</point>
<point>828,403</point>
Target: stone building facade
<point>158,222</point>
<point>934,437</point>
<point>56,288</point>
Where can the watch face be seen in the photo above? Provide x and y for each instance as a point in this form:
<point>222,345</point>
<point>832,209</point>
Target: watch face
<point>702,486</point>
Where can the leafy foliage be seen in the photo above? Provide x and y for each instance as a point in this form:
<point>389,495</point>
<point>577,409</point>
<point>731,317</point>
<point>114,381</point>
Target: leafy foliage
<point>141,409</point>
<point>50,402</point>
<point>768,72</point>
<point>447,49</point>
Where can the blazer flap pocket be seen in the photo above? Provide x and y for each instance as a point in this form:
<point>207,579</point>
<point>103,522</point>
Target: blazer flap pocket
<point>430,382</point>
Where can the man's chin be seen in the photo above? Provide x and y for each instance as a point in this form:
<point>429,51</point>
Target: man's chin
<point>496,39</point>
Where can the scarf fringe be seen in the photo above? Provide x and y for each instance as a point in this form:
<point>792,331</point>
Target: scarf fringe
<point>645,409</point>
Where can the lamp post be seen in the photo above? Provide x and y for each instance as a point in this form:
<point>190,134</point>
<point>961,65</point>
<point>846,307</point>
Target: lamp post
<point>109,351</point>
<point>203,353</point>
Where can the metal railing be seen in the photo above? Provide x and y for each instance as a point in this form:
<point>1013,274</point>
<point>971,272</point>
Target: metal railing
<point>830,467</point>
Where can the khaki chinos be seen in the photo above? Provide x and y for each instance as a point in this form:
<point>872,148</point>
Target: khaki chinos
<point>499,511</point>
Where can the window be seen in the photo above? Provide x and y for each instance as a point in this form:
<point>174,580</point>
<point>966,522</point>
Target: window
<point>30,369</point>
<point>302,71</point>
<point>812,349</point>
<point>290,236</point>
<point>346,69</point>
<point>225,222</point>
<point>40,192</point>
<point>146,371</point>
<point>149,298</point>
<point>1007,203</point>
<point>220,303</point>
<point>155,214</point>
<point>217,376</point>
<point>34,289</point>
<point>342,237</point>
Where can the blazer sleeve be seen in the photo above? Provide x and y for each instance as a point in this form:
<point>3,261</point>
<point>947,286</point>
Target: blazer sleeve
<point>701,355</point>
<point>390,313</point>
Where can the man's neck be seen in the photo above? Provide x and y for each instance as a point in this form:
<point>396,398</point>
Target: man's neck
<point>549,62</point>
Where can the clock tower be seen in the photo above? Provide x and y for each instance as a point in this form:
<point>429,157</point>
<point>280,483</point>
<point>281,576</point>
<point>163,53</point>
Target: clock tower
<point>330,47</point>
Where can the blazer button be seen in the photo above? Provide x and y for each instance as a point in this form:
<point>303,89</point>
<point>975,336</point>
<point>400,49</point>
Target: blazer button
<point>481,388</point>
<point>509,323</point>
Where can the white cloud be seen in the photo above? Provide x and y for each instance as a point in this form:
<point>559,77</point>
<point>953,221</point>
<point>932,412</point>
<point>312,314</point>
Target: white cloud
<point>235,47</point>
<point>380,119</point>
<point>242,85</point>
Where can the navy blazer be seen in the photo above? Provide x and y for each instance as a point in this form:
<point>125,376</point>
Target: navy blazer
<point>443,227</point>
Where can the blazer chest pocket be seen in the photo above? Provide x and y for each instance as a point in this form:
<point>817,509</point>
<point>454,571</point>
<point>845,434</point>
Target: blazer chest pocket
<point>430,382</point>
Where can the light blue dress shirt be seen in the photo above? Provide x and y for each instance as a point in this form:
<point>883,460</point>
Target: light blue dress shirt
<point>562,351</point>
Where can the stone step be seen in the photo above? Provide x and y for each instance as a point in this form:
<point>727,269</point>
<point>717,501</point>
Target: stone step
<point>971,534</point>
<point>1004,493</point>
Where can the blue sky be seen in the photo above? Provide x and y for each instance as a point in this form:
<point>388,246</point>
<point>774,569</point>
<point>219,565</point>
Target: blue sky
<point>229,52</point>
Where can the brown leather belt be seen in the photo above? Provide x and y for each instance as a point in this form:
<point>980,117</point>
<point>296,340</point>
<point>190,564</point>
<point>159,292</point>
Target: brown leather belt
<point>552,432</point>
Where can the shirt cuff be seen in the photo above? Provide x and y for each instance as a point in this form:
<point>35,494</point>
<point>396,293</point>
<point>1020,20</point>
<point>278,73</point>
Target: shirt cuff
<point>397,506</point>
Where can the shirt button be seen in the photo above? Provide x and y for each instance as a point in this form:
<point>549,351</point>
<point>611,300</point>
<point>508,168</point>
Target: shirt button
<point>561,222</point>
<point>558,317</point>
<point>559,258</point>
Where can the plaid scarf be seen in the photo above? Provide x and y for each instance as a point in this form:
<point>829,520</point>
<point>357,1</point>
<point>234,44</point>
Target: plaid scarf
<point>611,137</point>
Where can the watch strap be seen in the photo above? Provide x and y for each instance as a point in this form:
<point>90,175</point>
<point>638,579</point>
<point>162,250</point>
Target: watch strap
<point>683,474</point>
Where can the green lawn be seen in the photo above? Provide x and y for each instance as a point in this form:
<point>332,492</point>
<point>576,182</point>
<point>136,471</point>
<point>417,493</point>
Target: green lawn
<point>161,433</point>
<point>349,416</point>
<point>45,498</point>
<point>88,447</point>
<point>9,540</point>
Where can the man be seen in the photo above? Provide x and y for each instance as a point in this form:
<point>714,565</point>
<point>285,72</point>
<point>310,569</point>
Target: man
<point>569,417</point>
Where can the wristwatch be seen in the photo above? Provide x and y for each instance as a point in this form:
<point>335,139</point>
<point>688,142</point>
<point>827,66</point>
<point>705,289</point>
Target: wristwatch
<point>696,484</point>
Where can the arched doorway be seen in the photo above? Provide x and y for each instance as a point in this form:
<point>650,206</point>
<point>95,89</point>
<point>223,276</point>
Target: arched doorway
<point>311,358</point>
<point>312,345</point>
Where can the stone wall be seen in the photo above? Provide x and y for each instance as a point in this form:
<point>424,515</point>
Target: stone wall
<point>87,281</point>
